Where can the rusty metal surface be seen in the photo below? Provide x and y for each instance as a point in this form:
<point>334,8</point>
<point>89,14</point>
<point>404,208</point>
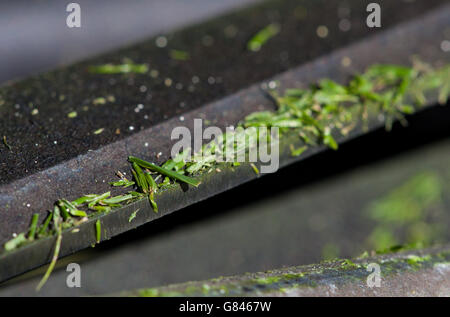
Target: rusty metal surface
<point>92,171</point>
<point>412,273</point>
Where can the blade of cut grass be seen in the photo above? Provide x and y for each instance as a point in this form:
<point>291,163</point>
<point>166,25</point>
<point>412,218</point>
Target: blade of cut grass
<point>72,209</point>
<point>117,199</point>
<point>33,227</point>
<point>151,182</point>
<point>179,55</point>
<point>64,210</point>
<point>84,199</point>
<point>151,198</point>
<point>97,199</point>
<point>58,227</point>
<point>260,38</point>
<point>133,215</point>
<point>153,189</point>
<point>168,173</point>
<point>54,259</point>
<point>98,230</point>
<point>15,242</point>
<point>6,143</point>
<point>142,180</point>
<point>122,183</point>
<point>255,169</point>
<point>299,151</point>
<point>104,209</point>
<point>125,68</point>
<point>44,226</point>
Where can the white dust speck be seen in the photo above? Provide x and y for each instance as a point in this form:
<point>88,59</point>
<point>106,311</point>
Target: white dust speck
<point>168,82</point>
<point>322,31</point>
<point>161,41</point>
<point>345,25</point>
<point>195,80</point>
<point>272,84</point>
<point>445,45</point>
<point>346,61</point>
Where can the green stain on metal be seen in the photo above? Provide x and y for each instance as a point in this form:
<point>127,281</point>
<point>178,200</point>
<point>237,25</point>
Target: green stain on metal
<point>415,260</point>
<point>338,273</point>
<point>149,292</point>
<point>267,280</point>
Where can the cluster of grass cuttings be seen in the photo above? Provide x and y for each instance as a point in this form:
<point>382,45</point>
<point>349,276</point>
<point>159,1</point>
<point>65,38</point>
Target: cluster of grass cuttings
<point>70,214</point>
<point>316,113</point>
<point>387,92</point>
<point>326,110</point>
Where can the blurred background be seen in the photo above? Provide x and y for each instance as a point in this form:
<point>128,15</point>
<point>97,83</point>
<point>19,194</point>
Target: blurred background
<point>34,36</point>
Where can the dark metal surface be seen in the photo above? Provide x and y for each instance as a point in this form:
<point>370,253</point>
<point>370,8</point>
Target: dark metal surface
<point>86,173</point>
<point>304,213</point>
<point>220,62</point>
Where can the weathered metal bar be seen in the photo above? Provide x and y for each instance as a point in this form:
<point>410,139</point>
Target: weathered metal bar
<point>34,112</point>
<point>412,273</point>
<point>420,37</point>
